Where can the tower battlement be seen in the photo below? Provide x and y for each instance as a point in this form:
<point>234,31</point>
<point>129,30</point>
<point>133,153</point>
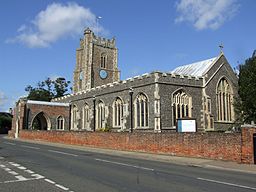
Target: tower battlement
<point>100,41</point>
<point>96,62</point>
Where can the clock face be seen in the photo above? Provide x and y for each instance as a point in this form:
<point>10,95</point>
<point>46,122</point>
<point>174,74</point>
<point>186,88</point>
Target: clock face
<point>103,74</point>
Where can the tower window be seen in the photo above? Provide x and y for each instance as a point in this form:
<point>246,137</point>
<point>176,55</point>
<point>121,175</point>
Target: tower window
<point>81,75</point>
<point>103,61</point>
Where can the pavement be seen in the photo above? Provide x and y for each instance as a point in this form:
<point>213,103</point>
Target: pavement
<point>193,162</point>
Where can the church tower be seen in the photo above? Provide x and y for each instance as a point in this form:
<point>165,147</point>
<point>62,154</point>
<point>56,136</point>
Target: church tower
<point>96,62</point>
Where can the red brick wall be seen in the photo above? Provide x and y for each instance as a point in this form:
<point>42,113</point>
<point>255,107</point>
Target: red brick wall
<point>49,110</point>
<point>205,145</point>
<point>52,112</point>
<point>247,144</point>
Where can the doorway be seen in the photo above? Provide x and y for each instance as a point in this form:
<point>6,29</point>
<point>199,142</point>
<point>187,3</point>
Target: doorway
<point>40,122</point>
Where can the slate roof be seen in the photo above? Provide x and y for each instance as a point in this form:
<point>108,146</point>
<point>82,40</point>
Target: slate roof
<point>196,69</point>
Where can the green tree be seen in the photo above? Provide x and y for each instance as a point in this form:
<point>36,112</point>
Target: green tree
<point>48,89</point>
<point>245,106</point>
<point>5,123</point>
<point>60,87</point>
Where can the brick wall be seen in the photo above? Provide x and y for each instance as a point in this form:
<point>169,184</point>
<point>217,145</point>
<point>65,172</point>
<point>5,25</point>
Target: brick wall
<point>51,112</point>
<point>247,144</point>
<point>203,145</point>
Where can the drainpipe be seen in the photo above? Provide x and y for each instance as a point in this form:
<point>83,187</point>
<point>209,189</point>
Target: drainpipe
<point>94,113</point>
<point>131,105</point>
<point>69,125</point>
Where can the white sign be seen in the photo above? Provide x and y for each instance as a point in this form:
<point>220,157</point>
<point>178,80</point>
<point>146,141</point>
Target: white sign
<point>186,125</point>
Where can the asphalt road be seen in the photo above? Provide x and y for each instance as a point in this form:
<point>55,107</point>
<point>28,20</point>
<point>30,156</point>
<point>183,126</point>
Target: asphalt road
<point>32,167</point>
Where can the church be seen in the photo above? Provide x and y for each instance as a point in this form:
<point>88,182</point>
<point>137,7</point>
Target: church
<point>151,102</point>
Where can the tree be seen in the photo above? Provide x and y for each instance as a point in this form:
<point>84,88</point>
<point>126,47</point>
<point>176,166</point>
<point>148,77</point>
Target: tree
<point>60,87</point>
<point>48,89</point>
<point>5,123</point>
<point>245,106</point>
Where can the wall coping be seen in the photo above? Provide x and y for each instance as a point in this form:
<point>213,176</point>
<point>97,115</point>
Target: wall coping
<point>248,126</point>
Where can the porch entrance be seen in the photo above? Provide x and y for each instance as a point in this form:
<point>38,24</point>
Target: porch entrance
<point>40,122</point>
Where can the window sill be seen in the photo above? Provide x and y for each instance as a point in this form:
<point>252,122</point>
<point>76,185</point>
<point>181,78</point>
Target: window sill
<point>227,122</point>
<point>142,128</point>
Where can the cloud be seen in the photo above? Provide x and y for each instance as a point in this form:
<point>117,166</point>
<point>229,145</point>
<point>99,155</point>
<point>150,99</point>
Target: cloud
<point>55,22</point>
<point>206,14</point>
<point>3,100</point>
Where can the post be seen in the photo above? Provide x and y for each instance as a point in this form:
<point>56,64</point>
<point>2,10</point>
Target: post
<point>131,105</point>
<point>69,125</point>
<point>94,113</point>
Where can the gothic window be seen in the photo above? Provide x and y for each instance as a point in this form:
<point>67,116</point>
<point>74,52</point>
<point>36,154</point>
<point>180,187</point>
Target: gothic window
<point>117,112</point>
<point>74,117</point>
<point>209,109</point>
<point>141,111</point>
<point>224,101</point>
<point>181,105</point>
<point>100,115</point>
<point>103,61</point>
<point>60,123</point>
<point>86,116</point>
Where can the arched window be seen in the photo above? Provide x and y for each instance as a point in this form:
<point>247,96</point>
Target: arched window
<point>74,117</point>
<point>117,112</point>
<point>103,61</point>
<point>100,115</point>
<point>181,105</point>
<point>141,111</point>
<point>86,116</point>
<point>224,101</point>
<point>60,123</point>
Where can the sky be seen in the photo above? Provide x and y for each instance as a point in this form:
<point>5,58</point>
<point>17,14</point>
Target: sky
<point>38,39</point>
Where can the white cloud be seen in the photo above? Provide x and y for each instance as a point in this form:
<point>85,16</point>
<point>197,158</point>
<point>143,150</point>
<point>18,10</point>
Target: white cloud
<point>206,14</point>
<point>55,22</point>
<point>3,100</point>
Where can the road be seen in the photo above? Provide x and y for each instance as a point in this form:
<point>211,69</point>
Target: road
<point>34,167</point>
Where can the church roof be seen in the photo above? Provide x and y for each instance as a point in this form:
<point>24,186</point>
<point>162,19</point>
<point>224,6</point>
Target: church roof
<point>196,69</point>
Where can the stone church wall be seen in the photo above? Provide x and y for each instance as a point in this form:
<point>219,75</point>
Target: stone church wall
<point>109,92</point>
<point>218,71</point>
<point>168,84</point>
<point>166,92</point>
